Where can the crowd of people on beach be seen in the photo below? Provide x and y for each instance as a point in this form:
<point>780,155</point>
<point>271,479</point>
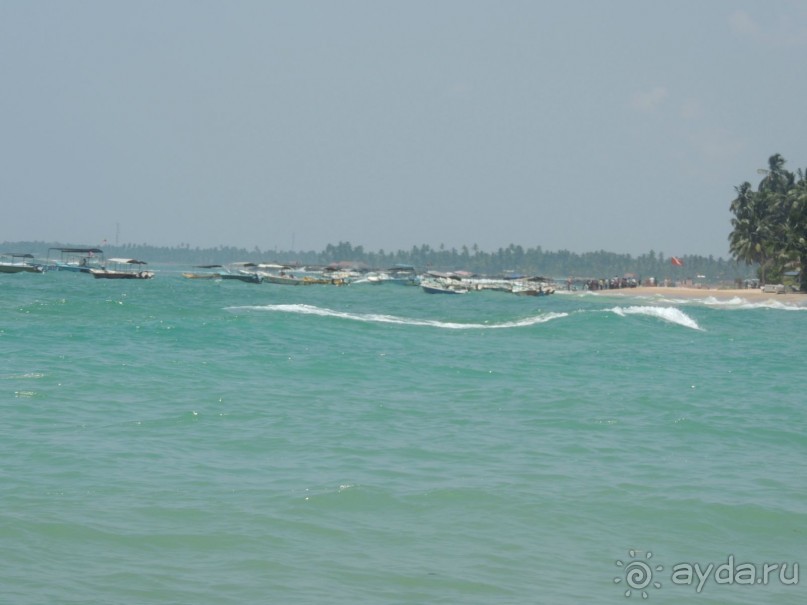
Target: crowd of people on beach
<point>612,283</point>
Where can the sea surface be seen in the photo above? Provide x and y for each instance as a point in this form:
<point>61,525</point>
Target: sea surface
<point>181,441</point>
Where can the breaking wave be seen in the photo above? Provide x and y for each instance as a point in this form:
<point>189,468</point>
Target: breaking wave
<point>393,319</point>
<point>743,303</point>
<point>668,314</point>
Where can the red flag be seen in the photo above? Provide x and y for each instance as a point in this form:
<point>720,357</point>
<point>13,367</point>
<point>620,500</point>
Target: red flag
<point>676,261</point>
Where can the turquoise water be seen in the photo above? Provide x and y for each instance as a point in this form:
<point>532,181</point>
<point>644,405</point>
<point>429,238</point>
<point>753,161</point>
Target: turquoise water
<point>190,441</point>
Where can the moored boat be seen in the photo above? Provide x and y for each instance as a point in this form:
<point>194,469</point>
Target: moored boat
<point>539,290</point>
<point>404,275</point>
<point>77,260</point>
<point>443,286</point>
<point>19,262</point>
<point>284,279</point>
<point>122,268</point>
<point>242,271</point>
<point>532,286</point>
<point>207,275</point>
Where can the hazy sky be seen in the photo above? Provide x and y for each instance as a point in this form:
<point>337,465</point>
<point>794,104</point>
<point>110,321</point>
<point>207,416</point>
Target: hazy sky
<point>579,125</point>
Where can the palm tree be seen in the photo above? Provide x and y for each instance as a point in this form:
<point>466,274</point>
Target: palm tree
<point>770,225</point>
<point>796,226</point>
<point>776,178</point>
<point>750,239</point>
<point>743,200</point>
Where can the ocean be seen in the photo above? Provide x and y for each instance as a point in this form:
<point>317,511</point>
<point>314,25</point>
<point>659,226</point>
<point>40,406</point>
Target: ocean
<point>217,442</point>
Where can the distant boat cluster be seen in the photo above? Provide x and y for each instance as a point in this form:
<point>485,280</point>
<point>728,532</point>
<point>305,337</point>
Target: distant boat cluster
<point>431,282</point>
<point>77,260</point>
<point>92,261</point>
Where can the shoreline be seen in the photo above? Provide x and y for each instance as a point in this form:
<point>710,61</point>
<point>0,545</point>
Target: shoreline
<point>750,294</point>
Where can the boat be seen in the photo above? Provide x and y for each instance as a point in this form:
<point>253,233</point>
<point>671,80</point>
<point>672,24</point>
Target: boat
<point>373,278</point>
<point>77,260</point>
<point>242,271</point>
<point>524,290</point>
<point>19,262</point>
<point>433,285</point>
<point>207,275</point>
<point>287,275</point>
<point>404,275</point>
<point>122,268</point>
<point>284,279</point>
<point>532,286</point>
<point>289,279</point>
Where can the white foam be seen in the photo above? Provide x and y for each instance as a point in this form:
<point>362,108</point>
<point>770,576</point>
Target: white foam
<point>392,319</point>
<point>743,303</point>
<point>669,314</point>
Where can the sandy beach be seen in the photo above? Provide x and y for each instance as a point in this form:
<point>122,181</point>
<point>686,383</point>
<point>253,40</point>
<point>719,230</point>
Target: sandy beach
<point>751,295</point>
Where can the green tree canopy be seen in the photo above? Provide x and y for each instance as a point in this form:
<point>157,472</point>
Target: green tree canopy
<point>769,227</point>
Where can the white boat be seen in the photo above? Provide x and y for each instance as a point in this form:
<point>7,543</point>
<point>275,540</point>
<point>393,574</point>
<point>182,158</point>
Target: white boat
<point>443,286</point>
<point>532,286</point>
<point>122,268</point>
<point>531,290</point>
<point>373,279</point>
<point>19,262</point>
<point>404,275</point>
<point>284,279</point>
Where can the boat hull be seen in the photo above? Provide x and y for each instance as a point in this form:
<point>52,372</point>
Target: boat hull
<point>441,290</point>
<point>20,269</point>
<point>105,274</point>
<point>251,278</point>
<point>72,268</point>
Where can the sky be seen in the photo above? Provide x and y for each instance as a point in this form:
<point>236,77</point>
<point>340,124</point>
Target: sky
<point>579,125</point>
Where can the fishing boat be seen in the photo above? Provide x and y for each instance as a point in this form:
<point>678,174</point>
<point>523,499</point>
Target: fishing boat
<point>77,260</point>
<point>206,275</point>
<point>242,271</point>
<point>373,278</point>
<point>404,275</point>
<point>289,279</point>
<point>525,290</point>
<point>123,268</point>
<point>19,262</point>
<point>443,286</point>
<point>532,286</point>
<point>284,279</point>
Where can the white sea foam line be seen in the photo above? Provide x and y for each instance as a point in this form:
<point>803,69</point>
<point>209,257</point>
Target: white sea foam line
<point>392,319</point>
<point>735,302</point>
<point>743,303</point>
<point>27,375</point>
<point>670,314</point>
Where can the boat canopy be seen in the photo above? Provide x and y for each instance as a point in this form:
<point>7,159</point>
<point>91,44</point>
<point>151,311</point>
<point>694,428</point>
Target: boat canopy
<point>443,275</point>
<point>79,250</point>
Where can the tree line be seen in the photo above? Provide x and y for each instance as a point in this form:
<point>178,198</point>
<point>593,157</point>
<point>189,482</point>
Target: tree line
<point>769,227</point>
<point>513,258</point>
